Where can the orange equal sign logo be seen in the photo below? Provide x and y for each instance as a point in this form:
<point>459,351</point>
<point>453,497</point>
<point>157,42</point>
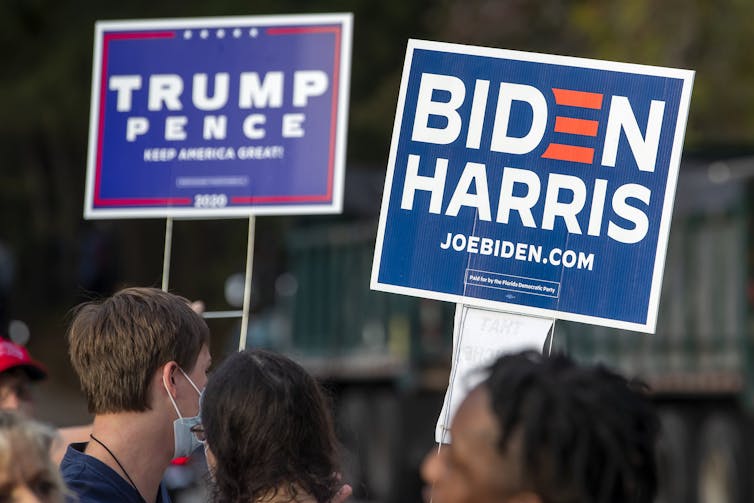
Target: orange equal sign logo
<point>574,126</point>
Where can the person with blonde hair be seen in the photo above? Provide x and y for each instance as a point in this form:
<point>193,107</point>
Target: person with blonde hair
<point>27,475</point>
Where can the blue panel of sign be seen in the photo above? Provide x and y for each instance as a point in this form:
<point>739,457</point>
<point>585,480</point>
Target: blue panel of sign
<point>532,183</point>
<point>219,116</point>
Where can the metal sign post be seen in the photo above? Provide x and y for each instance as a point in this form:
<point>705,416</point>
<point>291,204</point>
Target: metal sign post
<point>247,285</point>
<point>244,313</point>
<point>166,255</point>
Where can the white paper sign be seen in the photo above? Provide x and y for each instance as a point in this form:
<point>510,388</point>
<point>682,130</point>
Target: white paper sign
<point>479,337</point>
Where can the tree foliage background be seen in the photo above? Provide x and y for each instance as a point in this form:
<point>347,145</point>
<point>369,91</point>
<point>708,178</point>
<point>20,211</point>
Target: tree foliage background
<point>45,87</point>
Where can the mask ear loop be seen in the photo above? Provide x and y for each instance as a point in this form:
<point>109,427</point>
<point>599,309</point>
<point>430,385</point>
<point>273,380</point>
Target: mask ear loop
<point>190,381</point>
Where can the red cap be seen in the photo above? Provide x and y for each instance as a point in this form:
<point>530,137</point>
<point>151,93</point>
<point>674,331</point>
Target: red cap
<point>14,356</point>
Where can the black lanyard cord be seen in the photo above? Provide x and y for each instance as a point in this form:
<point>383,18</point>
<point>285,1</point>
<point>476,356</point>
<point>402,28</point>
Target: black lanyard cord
<point>116,459</point>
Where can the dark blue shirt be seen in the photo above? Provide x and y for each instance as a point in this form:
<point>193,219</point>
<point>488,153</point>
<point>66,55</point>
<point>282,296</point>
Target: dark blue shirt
<point>95,482</point>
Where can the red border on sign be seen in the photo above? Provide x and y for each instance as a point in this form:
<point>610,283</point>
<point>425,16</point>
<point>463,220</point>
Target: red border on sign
<point>108,37</point>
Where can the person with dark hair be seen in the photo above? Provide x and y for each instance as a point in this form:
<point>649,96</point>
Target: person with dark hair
<point>269,433</point>
<point>142,357</point>
<point>544,429</point>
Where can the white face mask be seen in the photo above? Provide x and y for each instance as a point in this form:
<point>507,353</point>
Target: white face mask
<point>185,441</point>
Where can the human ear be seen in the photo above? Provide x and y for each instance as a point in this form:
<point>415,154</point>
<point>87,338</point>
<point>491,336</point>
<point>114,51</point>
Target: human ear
<point>168,377</point>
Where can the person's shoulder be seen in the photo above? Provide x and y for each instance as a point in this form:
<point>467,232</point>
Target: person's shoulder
<point>91,480</point>
<point>89,487</point>
<point>74,459</point>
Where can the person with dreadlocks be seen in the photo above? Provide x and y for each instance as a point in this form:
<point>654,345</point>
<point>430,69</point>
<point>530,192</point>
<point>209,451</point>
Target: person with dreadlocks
<point>543,429</point>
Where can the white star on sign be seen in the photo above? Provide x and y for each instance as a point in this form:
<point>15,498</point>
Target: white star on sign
<point>204,34</point>
<point>187,34</point>
<point>237,33</point>
<point>220,33</point>
<point>253,32</point>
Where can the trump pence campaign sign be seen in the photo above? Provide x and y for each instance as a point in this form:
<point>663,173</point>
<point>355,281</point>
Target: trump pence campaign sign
<point>530,183</point>
<point>218,116</point>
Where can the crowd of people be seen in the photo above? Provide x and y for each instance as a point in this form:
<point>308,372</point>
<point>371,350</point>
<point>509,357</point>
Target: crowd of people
<point>538,429</point>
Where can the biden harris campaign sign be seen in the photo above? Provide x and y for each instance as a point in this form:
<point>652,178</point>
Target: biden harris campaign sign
<point>218,116</point>
<point>530,183</point>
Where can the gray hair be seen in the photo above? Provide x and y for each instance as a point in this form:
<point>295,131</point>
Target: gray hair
<point>20,436</point>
